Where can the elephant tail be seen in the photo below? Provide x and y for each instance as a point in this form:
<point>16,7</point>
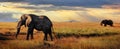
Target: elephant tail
<point>54,34</point>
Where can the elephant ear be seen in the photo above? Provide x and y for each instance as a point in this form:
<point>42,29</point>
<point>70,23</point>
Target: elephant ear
<point>28,20</point>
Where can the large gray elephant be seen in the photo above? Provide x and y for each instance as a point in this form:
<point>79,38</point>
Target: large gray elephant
<point>106,22</point>
<point>41,23</point>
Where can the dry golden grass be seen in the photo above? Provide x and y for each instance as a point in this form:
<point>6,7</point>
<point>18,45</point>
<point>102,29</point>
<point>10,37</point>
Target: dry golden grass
<point>89,36</point>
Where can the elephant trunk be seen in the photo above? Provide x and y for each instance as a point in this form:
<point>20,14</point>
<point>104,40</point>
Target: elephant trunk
<point>18,28</point>
<point>101,24</point>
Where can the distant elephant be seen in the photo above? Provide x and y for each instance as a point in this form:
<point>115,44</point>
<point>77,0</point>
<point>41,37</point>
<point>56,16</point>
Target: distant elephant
<point>41,23</point>
<point>107,22</point>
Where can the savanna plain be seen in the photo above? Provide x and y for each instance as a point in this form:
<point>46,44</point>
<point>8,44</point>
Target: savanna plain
<point>68,35</point>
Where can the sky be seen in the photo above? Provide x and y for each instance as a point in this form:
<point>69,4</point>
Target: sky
<point>61,10</point>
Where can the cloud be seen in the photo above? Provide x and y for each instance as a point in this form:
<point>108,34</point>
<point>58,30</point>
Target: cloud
<point>11,0</point>
<point>83,3</point>
<point>114,6</point>
<point>105,13</point>
<point>12,11</point>
<point>91,15</point>
<point>13,7</point>
<point>6,17</point>
<point>39,7</point>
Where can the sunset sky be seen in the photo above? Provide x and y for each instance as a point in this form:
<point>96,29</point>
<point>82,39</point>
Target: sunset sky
<point>61,10</point>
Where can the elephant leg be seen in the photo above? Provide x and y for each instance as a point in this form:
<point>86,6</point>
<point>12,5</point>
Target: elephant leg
<point>45,34</point>
<point>50,34</point>
<point>30,31</point>
<point>105,25</point>
<point>32,35</point>
<point>45,37</point>
<point>27,36</point>
<point>111,25</point>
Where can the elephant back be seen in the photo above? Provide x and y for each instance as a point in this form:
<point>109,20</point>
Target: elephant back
<point>110,22</point>
<point>104,21</point>
<point>45,21</point>
<point>41,22</point>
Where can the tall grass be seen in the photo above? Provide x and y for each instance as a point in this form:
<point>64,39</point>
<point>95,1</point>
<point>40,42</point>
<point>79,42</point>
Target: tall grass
<point>99,37</point>
<point>87,29</point>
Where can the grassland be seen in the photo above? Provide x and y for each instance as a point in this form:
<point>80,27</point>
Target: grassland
<point>73,35</point>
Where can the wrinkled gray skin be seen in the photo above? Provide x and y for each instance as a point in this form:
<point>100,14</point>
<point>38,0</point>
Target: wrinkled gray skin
<point>41,23</point>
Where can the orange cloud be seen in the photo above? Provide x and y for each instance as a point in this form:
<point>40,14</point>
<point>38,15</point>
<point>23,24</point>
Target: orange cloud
<point>114,6</point>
